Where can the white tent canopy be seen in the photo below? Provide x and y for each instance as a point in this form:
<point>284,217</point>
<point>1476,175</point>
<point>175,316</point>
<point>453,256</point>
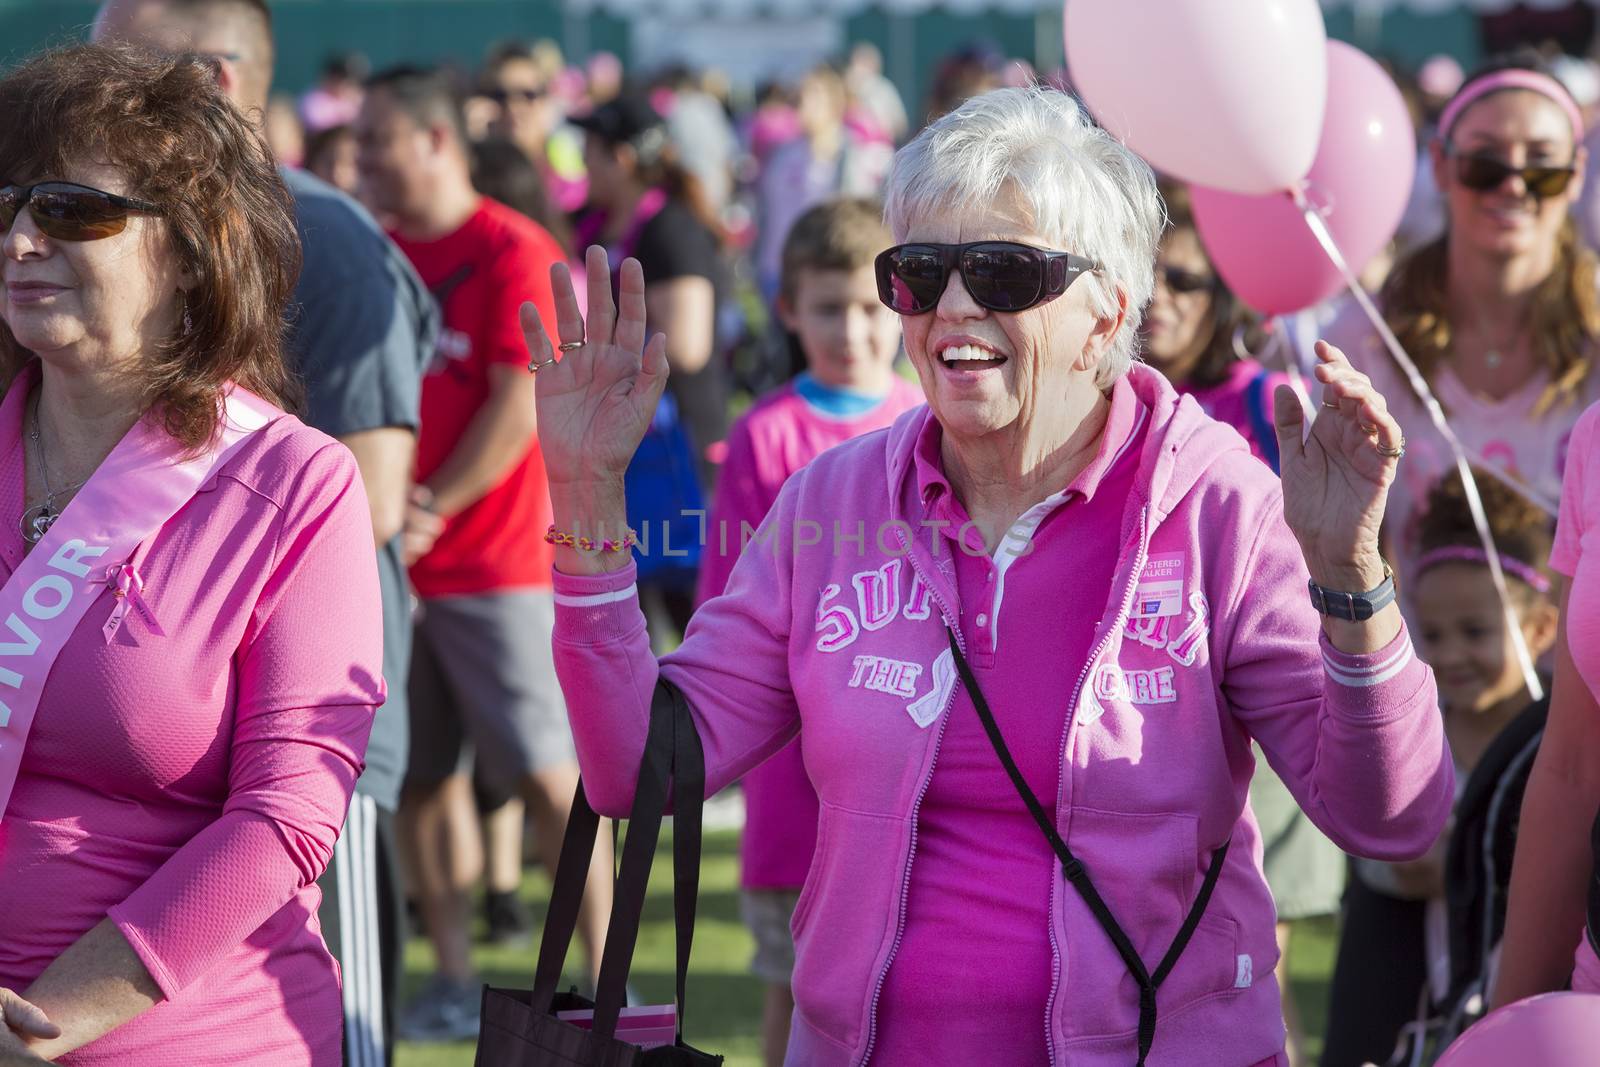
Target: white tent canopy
<point>740,9</point>
<point>1435,7</point>
<point>744,9</point>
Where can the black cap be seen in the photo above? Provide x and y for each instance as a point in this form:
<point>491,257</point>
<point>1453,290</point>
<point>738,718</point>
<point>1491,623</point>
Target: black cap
<point>622,120</point>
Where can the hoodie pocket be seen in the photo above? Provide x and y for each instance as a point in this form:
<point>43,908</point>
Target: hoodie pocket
<point>1148,869</point>
<point>808,889</point>
<point>844,921</point>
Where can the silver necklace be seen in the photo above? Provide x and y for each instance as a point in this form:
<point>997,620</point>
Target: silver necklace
<point>1493,354</point>
<point>37,520</point>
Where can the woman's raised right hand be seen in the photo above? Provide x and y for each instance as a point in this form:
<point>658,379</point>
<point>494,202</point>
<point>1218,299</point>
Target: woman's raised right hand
<point>595,402</point>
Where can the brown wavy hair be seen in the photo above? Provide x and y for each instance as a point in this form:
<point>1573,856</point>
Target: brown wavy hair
<point>1565,316</point>
<point>163,122</point>
<point>1228,317</point>
<point>1521,529</point>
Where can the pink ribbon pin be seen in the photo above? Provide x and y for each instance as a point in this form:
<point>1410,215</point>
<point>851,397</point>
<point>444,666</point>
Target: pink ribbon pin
<point>127,586</point>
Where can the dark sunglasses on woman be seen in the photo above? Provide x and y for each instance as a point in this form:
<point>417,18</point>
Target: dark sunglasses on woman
<point>1000,275</point>
<point>1482,173</point>
<point>1182,281</point>
<point>68,212</point>
<point>525,96</point>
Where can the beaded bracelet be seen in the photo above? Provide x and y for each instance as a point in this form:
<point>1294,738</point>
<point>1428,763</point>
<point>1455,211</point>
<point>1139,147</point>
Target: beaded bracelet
<point>553,536</point>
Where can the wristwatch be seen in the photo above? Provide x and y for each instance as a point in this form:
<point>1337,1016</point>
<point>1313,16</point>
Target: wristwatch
<point>1354,607</point>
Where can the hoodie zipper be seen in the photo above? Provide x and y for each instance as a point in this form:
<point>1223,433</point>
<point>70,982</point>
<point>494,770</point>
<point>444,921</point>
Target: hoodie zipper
<point>916,807</point>
<point>1118,622</point>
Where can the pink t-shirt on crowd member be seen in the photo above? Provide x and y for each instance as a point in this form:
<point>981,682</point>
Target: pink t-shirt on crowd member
<point>1509,434</point>
<point>775,438</point>
<point>981,891</point>
<point>1235,400</point>
<point>1576,554</point>
<point>190,786</point>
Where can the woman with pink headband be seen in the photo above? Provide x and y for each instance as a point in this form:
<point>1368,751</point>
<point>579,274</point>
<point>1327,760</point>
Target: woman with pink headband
<point>1502,311</point>
<point>1394,940</point>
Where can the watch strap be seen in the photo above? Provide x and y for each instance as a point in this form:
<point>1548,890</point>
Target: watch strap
<point>1354,607</point>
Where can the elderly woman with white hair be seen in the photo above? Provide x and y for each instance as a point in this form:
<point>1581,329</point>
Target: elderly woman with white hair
<point>1025,636</point>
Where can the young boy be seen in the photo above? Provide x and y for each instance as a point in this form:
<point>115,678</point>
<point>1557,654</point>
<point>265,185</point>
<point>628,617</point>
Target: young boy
<point>828,298</point>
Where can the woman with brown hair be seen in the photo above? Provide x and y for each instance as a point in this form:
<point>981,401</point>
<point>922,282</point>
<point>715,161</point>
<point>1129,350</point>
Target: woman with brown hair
<point>1502,312</point>
<point>193,647</point>
<point>1193,329</point>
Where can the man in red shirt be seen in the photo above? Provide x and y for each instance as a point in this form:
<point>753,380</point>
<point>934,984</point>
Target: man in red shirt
<point>482,677</point>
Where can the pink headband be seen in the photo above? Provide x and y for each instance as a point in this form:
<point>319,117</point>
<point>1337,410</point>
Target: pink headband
<point>1514,78</point>
<point>1468,554</point>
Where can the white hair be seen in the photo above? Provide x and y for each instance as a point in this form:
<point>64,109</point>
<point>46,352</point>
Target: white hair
<point>1088,193</point>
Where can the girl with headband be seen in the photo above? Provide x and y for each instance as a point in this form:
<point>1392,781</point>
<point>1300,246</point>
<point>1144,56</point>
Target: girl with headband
<point>1501,312</point>
<point>1393,942</point>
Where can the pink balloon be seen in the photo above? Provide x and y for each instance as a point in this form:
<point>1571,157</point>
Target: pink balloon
<point>1226,93</point>
<point>1553,1030</point>
<point>1361,178</point>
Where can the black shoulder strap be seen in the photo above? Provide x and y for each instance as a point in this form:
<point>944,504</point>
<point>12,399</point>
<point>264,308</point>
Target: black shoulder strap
<point>1078,875</point>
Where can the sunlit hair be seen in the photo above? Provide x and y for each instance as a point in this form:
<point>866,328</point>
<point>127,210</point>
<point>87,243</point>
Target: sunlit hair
<point>843,234</point>
<point>1564,320</point>
<point>1087,192</point>
<point>162,121</point>
<point>1522,531</point>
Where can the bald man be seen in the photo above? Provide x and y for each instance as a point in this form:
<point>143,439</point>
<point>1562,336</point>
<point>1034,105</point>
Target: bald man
<point>362,330</point>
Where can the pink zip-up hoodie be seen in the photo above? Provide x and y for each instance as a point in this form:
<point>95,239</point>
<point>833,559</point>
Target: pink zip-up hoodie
<point>1149,788</point>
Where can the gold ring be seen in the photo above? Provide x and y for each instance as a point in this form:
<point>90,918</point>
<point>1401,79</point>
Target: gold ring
<point>1391,453</point>
<point>537,367</point>
<point>571,346</point>
<point>1368,428</point>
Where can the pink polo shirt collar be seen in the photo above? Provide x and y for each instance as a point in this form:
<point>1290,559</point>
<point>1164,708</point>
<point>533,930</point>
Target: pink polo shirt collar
<point>937,496</point>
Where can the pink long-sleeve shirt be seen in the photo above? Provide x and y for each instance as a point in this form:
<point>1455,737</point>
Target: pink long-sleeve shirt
<point>1204,640</point>
<point>191,786</point>
<point>1576,555</point>
<point>775,438</point>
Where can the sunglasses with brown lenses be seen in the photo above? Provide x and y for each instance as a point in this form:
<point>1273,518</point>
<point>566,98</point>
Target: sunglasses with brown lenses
<point>1483,173</point>
<point>68,212</point>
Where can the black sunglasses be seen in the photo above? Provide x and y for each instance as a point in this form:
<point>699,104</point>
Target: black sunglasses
<point>1184,281</point>
<point>68,212</point>
<point>1482,173</point>
<point>526,96</point>
<point>1000,275</point>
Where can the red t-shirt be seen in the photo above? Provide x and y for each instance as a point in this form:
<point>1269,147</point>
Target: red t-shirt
<point>480,275</point>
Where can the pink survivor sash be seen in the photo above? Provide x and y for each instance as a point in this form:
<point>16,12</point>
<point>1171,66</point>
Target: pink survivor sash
<point>135,491</point>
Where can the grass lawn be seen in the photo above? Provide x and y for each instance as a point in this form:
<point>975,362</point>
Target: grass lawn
<point>724,1001</point>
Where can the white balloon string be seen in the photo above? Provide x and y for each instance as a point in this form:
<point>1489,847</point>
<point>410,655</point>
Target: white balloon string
<point>1430,404</point>
<point>1279,329</point>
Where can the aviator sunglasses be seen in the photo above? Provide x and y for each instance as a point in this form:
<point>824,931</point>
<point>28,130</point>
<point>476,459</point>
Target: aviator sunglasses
<point>68,212</point>
<point>1000,275</point>
<point>1482,173</point>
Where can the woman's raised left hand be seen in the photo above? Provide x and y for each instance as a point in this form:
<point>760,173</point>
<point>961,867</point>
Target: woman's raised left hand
<point>1336,480</point>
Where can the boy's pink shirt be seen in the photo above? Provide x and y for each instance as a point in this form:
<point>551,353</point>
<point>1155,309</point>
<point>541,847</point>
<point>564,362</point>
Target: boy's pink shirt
<point>1576,555</point>
<point>191,786</point>
<point>1147,791</point>
<point>775,438</point>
